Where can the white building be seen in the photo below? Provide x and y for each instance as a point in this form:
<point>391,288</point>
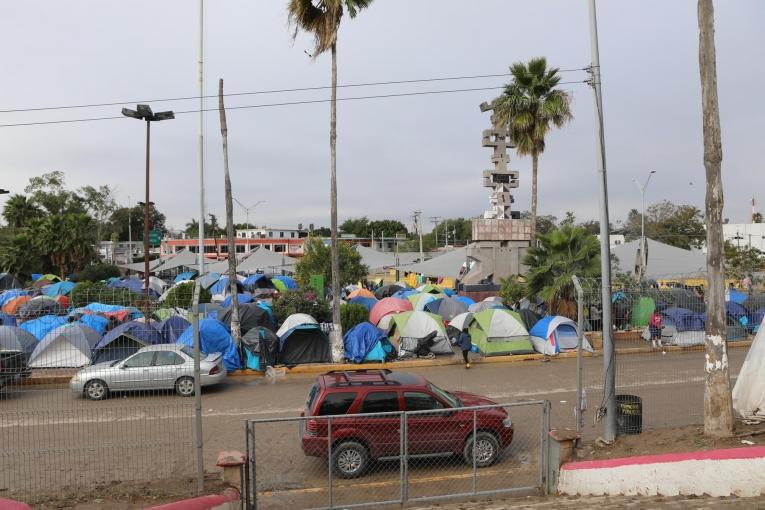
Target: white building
<point>270,233</point>
<point>614,240</point>
<point>745,234</point>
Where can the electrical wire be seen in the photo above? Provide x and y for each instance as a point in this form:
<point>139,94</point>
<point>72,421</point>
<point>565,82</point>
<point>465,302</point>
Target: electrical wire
<point>269,105</point>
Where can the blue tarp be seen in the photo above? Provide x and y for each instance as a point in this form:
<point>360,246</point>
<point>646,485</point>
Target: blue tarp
<point>737,296</point>
<point>367,302</point>
<point>96,322</point>
<point>187,275</point>
<point>241,298</point>
<point>258,281</point>
<point>214,337</point>
<point>59,289</point>
<point>9,294</point>
<point>736,310</point>
<point>465,300</point>
<point>220,287</point>
<point>7,320</point>
<point>208,280</point>
<point>403,294</point>
<point>360,340</point>
<point>102,308</point>
<point>172,328</point>
<point>287,281</point>
<point>42,326</point>
<point>448,292</point>
<point>147,334</point>
<point>684,320</point>
<point>36,276</point>
<point>265,306</point>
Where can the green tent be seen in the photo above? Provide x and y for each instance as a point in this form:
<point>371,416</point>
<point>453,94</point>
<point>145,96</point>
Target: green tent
<point>499,331</point>
<point>279,285</point>
<point>642,308</point>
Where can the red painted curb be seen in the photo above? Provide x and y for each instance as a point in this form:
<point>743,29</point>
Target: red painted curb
<point>726,454</point>
<point>200,503</point>
<point>11,504</point>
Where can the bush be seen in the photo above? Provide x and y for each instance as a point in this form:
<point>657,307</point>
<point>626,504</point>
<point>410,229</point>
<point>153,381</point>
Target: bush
<point>85,293</point>
<point>97,272</point>
<point>351,315</point>
<point>182,296</point>
<point>512,291</point>
<point>300,301</point>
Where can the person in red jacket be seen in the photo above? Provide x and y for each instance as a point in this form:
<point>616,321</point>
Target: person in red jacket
<point>655,325</point>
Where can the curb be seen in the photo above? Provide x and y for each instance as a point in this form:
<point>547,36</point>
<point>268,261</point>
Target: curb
<point>421,363</point>
<point>229,499</point>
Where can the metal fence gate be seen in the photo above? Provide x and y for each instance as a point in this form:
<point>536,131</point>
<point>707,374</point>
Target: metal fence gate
<point>410,456</point>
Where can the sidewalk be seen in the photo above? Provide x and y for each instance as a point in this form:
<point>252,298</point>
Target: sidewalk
<point>602,503</point>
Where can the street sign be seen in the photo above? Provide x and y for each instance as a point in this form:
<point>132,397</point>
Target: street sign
<point>316,282</point>
<point>155,237</point>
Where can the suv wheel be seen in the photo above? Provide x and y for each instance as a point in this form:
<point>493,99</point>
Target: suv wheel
<point>96,390</point>
<point>486,449</point>
<point>350,459</point>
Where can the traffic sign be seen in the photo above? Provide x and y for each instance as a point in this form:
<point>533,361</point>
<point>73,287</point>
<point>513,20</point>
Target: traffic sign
<point>155,237</point>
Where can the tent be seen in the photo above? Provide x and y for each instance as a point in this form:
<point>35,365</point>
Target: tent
<point>366,302</point>
<point>39,306</point>
<point>251,316</point>
<point>736,310</point>
<point>185,276</point>
<point>214,337</point>
<point>361,293</point>
<point>173,327</point>
<point>42,326</point>
<point>495,332</point>
<point>158,285</point>
<point>429,289</point>
<point>416,331</point>
<point>365,342</point>
<point>257,281</point>
<point>259,349</point>
<point>468,301</point>
<point>9,294</point>
<point>459,323</point>
<point>240,298</point>
<point>68,346</point>
<point>7,320</point>
<point>642,308</point>
<point>16,339</point>
<point>301,340</point>
<point>737,296</point>
<point>553,334</point>
<point>387,291</point>
<point>12,306</point>
<point>8,281</point>
<point>59,289</point>
<point>387,306</point>
<point>419,300</point>
<point>529,317</point>
<point>749,390</point>
<point>681,327</point>
<point>125,340</point>
<point>753,302</point>
<point>284,283</point>
<point>485,305</point>
<point>208,280</point>
<point>98,323</point>
<point>222,287</point>
<point>405,293</point>
<point>448,308</point>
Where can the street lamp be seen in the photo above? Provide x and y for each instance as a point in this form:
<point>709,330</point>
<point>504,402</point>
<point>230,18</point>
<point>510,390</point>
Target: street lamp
<point>4,191</point>
<point>143,112</point>
<point>247,212</point>
<point>643,251</point>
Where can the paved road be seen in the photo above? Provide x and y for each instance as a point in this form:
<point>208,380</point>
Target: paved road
<point>49,437</point>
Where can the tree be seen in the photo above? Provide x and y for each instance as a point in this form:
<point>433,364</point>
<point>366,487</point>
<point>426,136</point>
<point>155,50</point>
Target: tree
<point>388,228</point>
<point>322,20</point>
<point>511,290</point>
<point>356,226</point>
<point>530,106</point>
<point>561,254</point>
<point>19,211</point>
<point>318,260</point>
<point>192,228</point>
<point>133,216</point>
<point>757,217</point>
<point>545,224</point>
<point>677,225</point>
<point>741,261</point>
<point>100,203</point>
<point>718,403</point>
<point>49,193</point>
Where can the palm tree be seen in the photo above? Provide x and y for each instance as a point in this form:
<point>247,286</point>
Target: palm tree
<point>322,19</point>
<point>19,210</point>
<point>561,254</point>
<point>530,106</point>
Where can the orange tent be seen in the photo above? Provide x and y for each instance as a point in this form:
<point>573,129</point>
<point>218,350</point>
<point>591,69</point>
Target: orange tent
<point>361,293</point>
<point>62,300</point>
<point>12,306</point>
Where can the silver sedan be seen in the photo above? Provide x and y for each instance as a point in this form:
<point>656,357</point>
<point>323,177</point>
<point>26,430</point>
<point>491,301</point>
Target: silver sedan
<point>156,367</point>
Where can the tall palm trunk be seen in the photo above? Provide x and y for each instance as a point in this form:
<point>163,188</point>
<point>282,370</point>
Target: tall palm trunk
<point>337,335</point>
<point>718,406</point>
<point>534,168</point>
<point>236,332</point>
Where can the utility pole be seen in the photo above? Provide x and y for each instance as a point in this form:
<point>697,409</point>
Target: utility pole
<point>201,153</point>
<point>609,383</point>
<point>435,220</point>
<point>446,233</point>
<point>417,222</point>
<point>130,231</point>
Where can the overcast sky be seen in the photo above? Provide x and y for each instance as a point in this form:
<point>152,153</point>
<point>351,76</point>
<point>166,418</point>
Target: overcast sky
<point>396,154</point>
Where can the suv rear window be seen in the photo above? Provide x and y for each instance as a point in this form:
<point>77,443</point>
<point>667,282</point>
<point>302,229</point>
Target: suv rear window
<point>311,396</point>
<point>380,402</point>
<point>336,403</point>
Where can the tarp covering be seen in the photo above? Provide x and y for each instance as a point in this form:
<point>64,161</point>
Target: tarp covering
<point>251,316</point>
<point>260,349</point>
<point>182,259</point>
<point>257,281</point>
<point>214,337</point>
<point>58,289</point>
<point>642,308</point>
<point>495,332</point>
<point>360,341</point>
<point>68,346</point>
<point>553,334</point>
<point>184,276</point>
<point>266,261</point>
<point>447,265</point>
<point>97,323</point>
<point>10,294</point>
<point>388,306</point>
<point>749,390</point>
<point>241,299</point>
<point>39,306</point>
<point>664,261</point>
<point>376,261</point>
<point>43,325</point>
<point>139,266</point>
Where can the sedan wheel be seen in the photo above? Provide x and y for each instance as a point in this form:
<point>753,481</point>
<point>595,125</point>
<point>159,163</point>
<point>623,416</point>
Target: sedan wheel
<point>185,386</point>
<point>96,390</point>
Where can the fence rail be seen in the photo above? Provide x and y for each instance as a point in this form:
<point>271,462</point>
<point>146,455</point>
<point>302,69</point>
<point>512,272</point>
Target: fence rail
<point>373,460</point>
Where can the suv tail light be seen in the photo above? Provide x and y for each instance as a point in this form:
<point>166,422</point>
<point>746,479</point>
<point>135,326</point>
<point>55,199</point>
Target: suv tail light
<point>312,427</point>
<point>214,370</point>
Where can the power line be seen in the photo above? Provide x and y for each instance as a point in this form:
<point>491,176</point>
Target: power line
<point>274,91</point>
<point>268,105</point>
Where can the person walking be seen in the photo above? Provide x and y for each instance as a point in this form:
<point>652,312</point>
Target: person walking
<point>655,325</point>
<point>466,344</point>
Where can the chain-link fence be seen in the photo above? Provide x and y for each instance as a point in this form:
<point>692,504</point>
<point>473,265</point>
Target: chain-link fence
<point>376,459</point>
<point>96,388</point>
<point>658,337</point>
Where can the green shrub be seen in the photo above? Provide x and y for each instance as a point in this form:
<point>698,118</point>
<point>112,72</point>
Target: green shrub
<point>97,272</point>
<point>85,293</point>
<point>512,291</point>
<point>182,296</point>
<point>300,301</point>
<point>352,314</point>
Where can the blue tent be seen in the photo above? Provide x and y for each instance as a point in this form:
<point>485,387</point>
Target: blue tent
<point>367,302</point>
<point>737,296</point>
<point>214,337</point>
<point>187,275</point>
<point>465,300</point>
<point>241,298</point>
<point>9,294</point>
<point>265,306</point>
<point>146,333</point>
<point>258,281</point>
<point>448,292</point>
<point>404,294</point>
<point>208,280</point>
<point>36,276</point>
<point>173,327</point>
<point>98,323</point>
<point>7,320</point>
<point>59,289</point>
<point>683,319</point>
<point>42,326</point>
<point>287,281</point>
<point>365,342</point>
<point>736,310</point>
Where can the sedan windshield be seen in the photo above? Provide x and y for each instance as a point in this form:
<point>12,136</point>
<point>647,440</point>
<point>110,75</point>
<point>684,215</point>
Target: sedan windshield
<point>451,399</point>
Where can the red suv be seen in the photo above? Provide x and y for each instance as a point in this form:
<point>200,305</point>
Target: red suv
<point>358,439</point>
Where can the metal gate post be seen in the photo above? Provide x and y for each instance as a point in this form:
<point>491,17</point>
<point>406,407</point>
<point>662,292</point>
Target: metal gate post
<point>329,462</point>
<point>475,469</point>
<point>404,460</point>
<point>545,453</point>
<point>252,459</point>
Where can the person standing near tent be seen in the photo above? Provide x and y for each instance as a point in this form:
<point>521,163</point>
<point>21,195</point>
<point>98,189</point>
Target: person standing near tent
<point>655,325</point>
<point>466,344</point>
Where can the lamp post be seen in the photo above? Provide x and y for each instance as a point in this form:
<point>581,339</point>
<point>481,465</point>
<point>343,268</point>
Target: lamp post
<point>643,252</point>
<point>143,112</point>
<point>247,212</point>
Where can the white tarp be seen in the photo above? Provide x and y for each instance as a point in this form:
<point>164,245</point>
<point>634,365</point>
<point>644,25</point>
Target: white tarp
<point>266,261</point>
<point>749,391</point>
<point>183,258</point>
<point>664,261</point>
<point>447,265</point>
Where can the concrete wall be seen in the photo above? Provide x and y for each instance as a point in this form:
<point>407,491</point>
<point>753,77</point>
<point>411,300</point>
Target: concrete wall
<point>497,258</point>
